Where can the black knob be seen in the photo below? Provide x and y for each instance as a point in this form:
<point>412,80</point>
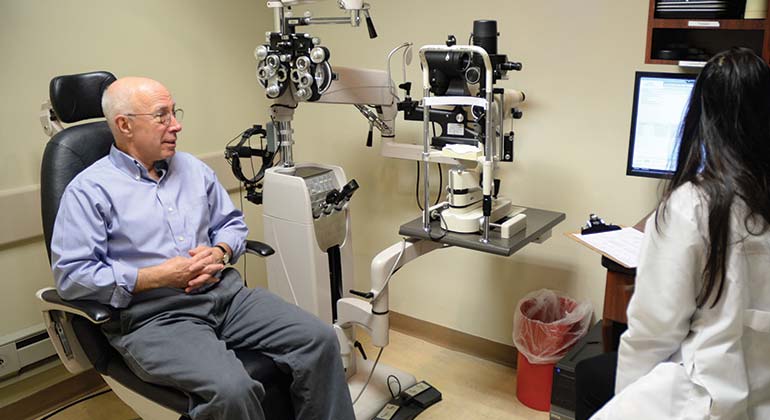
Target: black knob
<point>407,86</point>
<point>451,41</point>
<point>370,27</point>
<point>333,197</point>
<point>349,188</point>
<point>511,65</point>
<point>365,295</point>
<point>369,137</point>
<point>360,348</point>
<point>254,197</point>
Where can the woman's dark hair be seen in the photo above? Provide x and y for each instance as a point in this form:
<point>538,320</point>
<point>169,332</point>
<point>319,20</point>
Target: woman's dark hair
<point>724,150</point>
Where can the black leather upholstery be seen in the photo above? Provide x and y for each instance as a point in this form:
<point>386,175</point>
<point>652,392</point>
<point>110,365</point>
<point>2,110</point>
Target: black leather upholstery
<point>69,152</point>
<point>65,155</point>
<point>260,248</point>
<point>96,312</point>
<point>78,97</point>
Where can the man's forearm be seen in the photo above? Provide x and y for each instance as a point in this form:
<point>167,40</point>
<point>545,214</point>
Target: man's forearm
<point>177,272</point>
<point>149,278</point>
<point>174,272</point>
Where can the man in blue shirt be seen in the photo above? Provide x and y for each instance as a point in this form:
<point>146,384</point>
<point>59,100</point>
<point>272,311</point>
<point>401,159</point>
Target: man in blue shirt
<point>147,231</point>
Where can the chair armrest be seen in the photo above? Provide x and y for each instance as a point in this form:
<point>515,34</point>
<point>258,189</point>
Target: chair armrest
<point>58,315</point>
<point>259,248</point>
<point>93,311</point>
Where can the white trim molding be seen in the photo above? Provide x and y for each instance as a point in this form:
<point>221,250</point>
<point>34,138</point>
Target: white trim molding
<point>21,206</point>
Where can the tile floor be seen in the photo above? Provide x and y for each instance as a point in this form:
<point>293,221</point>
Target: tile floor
<point>472,388</point>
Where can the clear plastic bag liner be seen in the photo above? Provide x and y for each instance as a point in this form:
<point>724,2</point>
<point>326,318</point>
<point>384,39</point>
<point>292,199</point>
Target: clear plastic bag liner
<point>547,323</point>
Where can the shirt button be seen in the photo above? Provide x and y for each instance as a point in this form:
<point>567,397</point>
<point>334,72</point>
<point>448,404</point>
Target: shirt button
<point>136,177</point>
<point>170,209</point>
<point>181,238</point>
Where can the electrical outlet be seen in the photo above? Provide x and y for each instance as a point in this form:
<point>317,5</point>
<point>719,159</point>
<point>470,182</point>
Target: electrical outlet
<point>9,360</point>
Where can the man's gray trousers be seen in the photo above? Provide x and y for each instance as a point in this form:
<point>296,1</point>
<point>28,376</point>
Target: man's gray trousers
<point>185,341</point>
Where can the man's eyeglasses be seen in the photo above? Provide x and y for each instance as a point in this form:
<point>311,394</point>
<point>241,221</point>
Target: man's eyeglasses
<point>163,117</point>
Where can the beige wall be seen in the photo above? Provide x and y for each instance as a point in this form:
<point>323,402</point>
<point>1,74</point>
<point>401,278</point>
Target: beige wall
<point>579,61</point>
<point>202,50</point>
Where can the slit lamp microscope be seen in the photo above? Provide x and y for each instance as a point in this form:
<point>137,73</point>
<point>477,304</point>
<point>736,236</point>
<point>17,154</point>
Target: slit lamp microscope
<point>306,205</point>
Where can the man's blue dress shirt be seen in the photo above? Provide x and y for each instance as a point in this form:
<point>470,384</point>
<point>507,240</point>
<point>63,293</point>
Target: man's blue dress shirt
<point>115,219</point>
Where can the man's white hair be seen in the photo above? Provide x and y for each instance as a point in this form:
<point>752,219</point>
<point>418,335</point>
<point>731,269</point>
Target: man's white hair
<point>125,95</point>
<point>115,102</point>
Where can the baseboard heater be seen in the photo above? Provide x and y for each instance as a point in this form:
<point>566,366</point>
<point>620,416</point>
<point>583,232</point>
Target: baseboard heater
<point>24,348</point>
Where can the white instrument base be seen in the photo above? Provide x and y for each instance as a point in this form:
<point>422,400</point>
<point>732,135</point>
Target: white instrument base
<point>376,394</point>
<point>468,220</point>
<point>513,225</point>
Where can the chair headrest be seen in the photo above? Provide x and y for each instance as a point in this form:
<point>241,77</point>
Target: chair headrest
<point>78,97</point>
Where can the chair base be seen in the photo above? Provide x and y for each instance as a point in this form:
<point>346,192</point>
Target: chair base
<point>371,402</point>
<point>146,409</point>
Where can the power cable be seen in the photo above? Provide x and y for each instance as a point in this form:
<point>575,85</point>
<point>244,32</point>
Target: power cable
<point>417,185</point>
<point>371,373</point>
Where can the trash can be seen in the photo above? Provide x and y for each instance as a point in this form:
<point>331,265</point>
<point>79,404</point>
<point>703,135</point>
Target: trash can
<point>546,324</point>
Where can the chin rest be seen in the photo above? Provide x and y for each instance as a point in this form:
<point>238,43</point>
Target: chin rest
<point>74,325</point>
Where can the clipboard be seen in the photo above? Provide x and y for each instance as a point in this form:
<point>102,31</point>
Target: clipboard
<point>621,246</point>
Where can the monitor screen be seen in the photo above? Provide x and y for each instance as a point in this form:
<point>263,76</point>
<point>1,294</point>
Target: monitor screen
<point>660,102</point>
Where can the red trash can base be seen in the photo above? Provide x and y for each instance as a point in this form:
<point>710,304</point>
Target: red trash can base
<point>533,384</point>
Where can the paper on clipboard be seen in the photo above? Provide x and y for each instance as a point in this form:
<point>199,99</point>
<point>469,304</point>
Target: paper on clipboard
<point>621,246</point>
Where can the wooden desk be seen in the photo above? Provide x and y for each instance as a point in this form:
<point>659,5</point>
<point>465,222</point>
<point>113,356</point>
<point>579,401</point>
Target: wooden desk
<point>618,289</point>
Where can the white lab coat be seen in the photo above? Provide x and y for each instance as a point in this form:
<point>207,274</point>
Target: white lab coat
<point>677,361</point>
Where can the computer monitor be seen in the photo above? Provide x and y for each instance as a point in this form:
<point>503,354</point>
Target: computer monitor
<point>660,102</point>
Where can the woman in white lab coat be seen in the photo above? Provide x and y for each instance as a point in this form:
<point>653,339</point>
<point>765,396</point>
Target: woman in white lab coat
<point>698,338</point>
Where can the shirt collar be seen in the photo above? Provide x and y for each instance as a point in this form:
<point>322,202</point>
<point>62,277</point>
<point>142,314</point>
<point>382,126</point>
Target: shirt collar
<point>126,163</point>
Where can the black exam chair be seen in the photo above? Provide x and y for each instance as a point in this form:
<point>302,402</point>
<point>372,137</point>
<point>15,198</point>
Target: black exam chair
<point>74,325</point>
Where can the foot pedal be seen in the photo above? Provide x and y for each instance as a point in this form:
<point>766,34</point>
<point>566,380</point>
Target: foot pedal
<point>412,401</point>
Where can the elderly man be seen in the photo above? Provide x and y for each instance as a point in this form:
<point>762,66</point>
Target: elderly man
<point>147,230</point>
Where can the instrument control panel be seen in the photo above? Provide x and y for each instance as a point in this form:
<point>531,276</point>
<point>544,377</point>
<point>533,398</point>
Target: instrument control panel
<point>320,182</point>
